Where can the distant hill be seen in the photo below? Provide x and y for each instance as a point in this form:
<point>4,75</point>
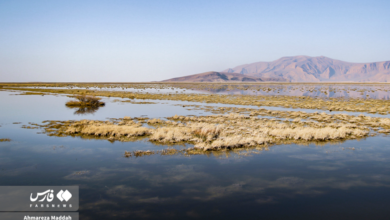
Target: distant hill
<point>316,69</point>
<point>297,69</point>
<point>220,77</point>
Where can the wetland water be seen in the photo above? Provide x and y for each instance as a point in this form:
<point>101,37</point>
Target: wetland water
<point>353,90</point>
<point>346,180</point>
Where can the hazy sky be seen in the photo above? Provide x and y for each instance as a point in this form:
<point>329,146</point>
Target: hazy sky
<point>146,40</point>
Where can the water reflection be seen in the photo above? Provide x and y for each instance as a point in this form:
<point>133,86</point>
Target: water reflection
<point>84,110</point>
<point>348,180</point>
<point>305,179</point>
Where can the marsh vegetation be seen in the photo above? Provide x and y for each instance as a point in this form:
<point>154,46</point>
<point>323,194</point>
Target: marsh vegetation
<point>229,127</point>
<point>5,140</point>
<point>215,146</point>
<point>210,133</point>
<point>85,101</point>
<point>274,99</point>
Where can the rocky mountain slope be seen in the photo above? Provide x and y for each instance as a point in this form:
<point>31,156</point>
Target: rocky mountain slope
<point>220,77</point>
<point>297,69</point>
<point>316,69</point>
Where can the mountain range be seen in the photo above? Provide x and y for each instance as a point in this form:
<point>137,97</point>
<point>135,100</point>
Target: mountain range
<point>297,69</point>
<point>213,76</point>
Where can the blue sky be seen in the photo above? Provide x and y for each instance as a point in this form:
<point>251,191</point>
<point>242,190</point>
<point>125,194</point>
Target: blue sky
<point>154,40</point>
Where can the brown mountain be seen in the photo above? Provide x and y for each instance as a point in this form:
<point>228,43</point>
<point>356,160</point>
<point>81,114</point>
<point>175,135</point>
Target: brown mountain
<point>215,77</point>
<point>221,77</point>
<point>315,69</point>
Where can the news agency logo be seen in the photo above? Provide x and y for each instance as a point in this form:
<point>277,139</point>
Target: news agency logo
<point>64,196</point>
<point>48,196</point>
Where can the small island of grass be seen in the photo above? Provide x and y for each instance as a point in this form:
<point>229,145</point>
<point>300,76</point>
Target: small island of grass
<point>85,101</point>
<point>5,140</point>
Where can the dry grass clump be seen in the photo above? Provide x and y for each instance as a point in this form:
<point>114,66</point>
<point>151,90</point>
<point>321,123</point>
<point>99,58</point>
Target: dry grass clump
<point>169,151</point>
<point>32,93</point>
<point>309,134</point>
<point>5,140</point>
<point>127,154</point>
<point>155,121</point>
<point>232,142</point>
<point>384,121</point>
<point>247,134</point>
<point>205,131</point>
<point>114,130</point>
<point>211,133</point>
<point>171,134</point>
<point>84,100</point>
<point>106,129</point>
<point>140,153</point>
<point>29,127</point>
<point>316,120</point>
<point>109,130</point>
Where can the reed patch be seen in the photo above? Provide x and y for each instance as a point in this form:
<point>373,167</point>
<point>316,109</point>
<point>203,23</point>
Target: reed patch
<point>5,140</point>
<point>206,133</point>
<point>85,101</point>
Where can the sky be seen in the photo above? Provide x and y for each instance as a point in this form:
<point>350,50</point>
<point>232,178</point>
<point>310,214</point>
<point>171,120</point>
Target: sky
<point>146,40</point>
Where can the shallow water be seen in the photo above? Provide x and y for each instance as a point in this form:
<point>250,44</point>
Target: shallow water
<point>146,90</point>
<point>166,108</point>
<point>323,91</point>
<point>349,180</point>
<point>364,91</point>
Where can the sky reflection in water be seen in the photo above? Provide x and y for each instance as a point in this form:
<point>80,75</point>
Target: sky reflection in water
<point>340,181</point>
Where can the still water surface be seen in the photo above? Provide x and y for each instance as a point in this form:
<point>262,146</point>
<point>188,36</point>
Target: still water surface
<point>349,180</point>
